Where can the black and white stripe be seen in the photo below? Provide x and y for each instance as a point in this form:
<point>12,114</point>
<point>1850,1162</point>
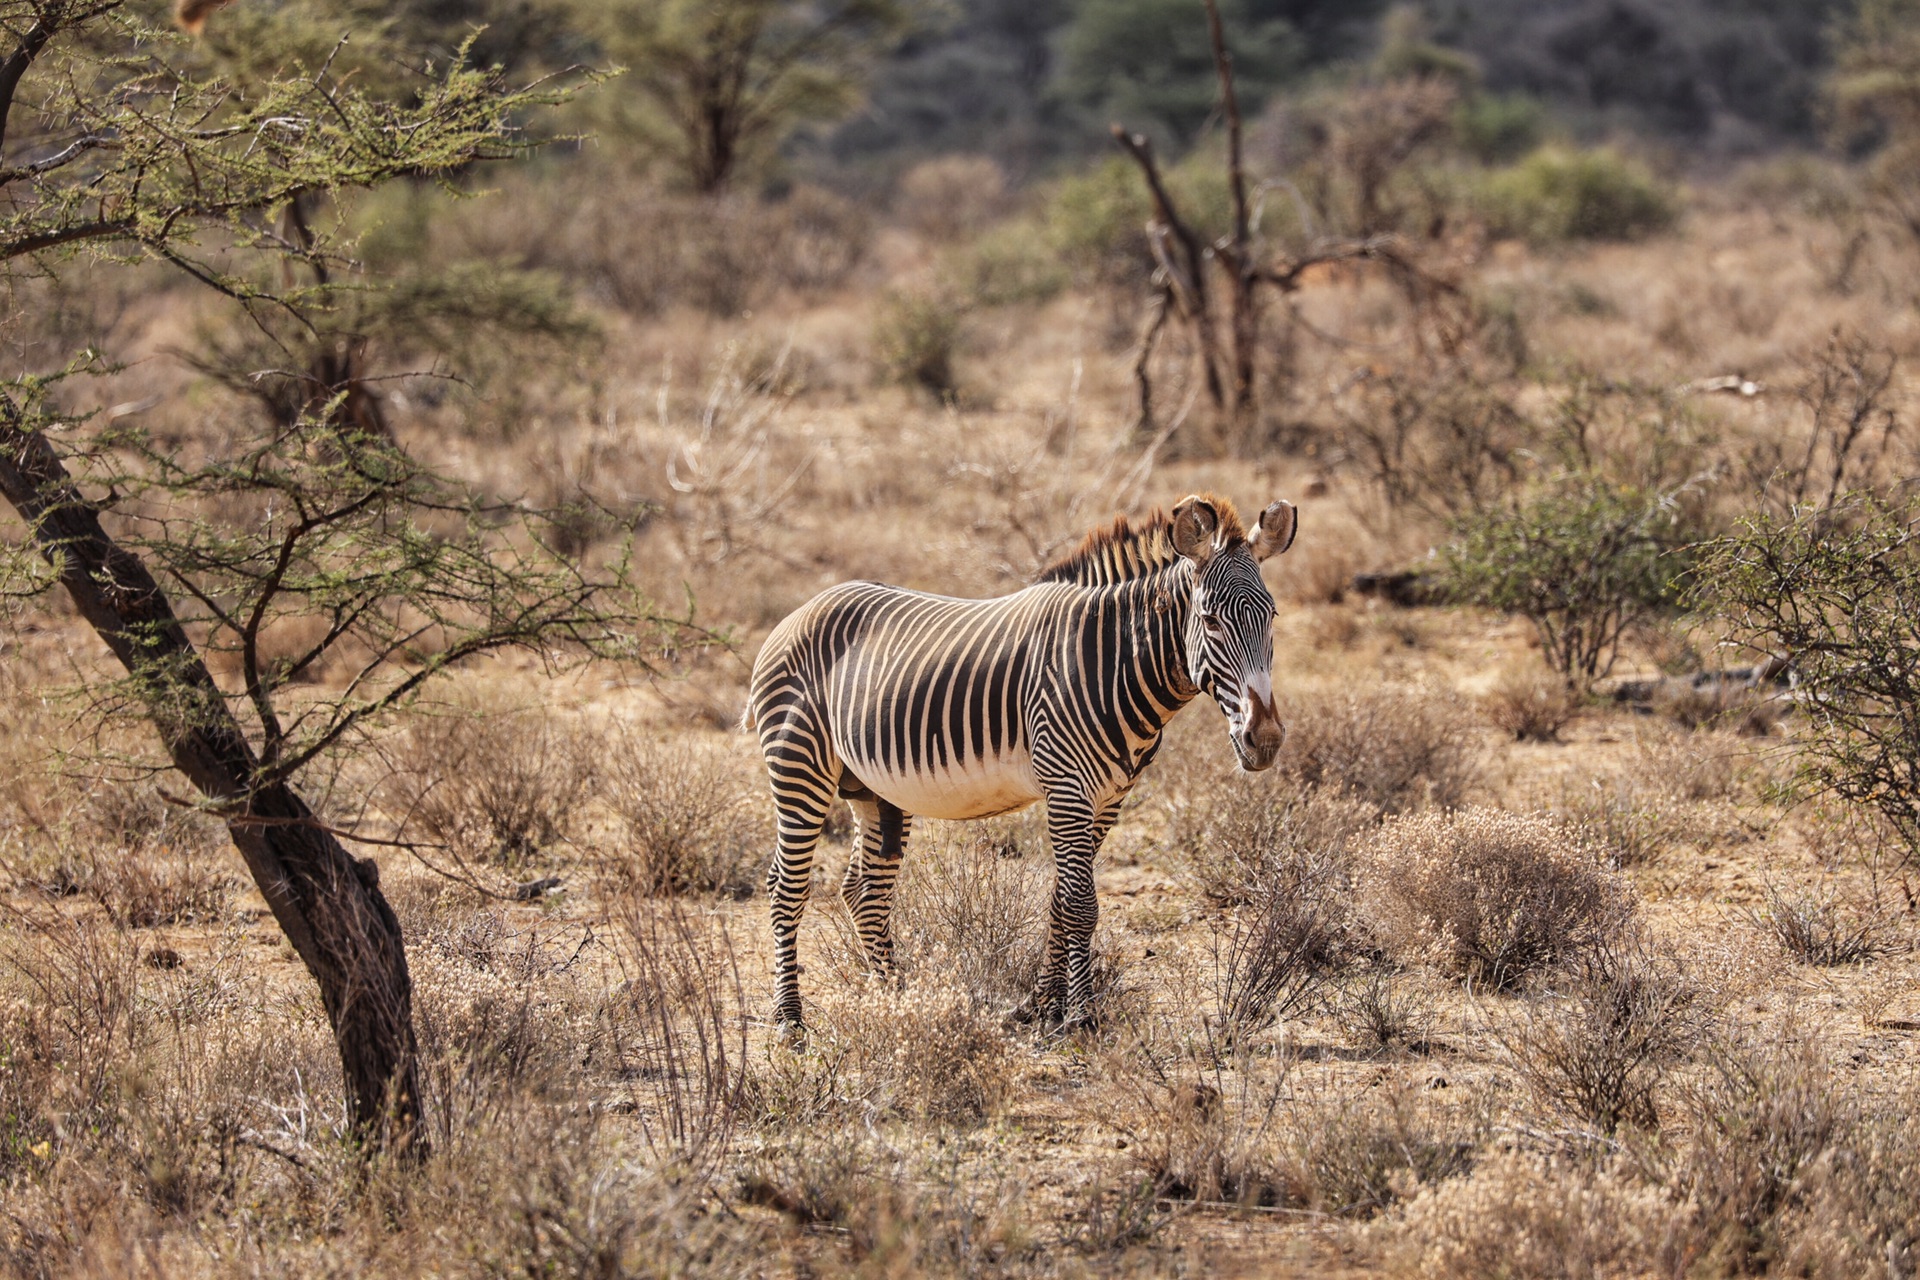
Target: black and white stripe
<point>912,704</point>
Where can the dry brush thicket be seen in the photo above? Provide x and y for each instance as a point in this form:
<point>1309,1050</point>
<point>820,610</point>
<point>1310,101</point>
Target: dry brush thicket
<point>1492,974</point>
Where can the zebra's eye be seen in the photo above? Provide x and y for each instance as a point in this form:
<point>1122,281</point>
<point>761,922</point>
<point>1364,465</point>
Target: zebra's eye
<point>1213,624</point>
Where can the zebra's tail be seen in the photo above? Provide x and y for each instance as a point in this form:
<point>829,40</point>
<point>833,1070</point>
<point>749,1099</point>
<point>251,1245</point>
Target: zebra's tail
<point>747,722</point>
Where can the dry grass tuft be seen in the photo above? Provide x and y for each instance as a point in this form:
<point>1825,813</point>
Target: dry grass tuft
<point>1384,1010</point>
<point>923,1047</point>
<point>1822,927</point>
<point>1395,749</point>
<point>1488,895</point>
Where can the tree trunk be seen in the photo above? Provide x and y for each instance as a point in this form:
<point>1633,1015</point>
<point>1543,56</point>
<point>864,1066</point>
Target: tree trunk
<point>328,903</point>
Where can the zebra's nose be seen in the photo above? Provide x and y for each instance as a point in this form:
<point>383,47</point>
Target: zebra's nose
<point>1264,733</point>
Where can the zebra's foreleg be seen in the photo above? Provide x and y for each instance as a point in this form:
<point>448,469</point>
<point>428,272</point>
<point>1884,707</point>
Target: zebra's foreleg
<point>872,868</point>
<point>1074,830</point>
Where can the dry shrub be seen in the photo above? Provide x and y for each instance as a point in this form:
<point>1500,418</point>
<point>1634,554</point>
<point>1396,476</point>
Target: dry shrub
<point>1617,814</point>
<point>646,251</point>
<point>972,906</point>
<point>1486,894</point>
<point>1395,749</point>
<point>1385,1010</point>
<point>1531,705</point>
<point>1243,836</point>
<point>494,786</point>
<point>1823,926</point>
<point>951,196</point>
<point>1546,1219</point>
<point>912,1211</point>
<point>1690,766</point>
<point>921,1047</point>
<point>1766,1114</point>
<point>148,864</point>
<point>687,817</point>
<point>1357,1154</point>
<point>1597,1037</point>
<point>1199,1131</point>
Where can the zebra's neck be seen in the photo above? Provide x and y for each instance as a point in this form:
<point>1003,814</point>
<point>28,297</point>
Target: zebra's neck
<point>1152,684</point>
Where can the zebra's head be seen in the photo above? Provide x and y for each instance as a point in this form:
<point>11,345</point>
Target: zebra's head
<point>1230,621</point>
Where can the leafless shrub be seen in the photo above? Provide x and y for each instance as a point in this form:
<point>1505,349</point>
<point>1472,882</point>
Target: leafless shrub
<point>972,906</point>
<point>1439,445</point>
<point>1520,1214</point>
<point>1617,814</point>
<point>727,472</point>
<point>901,1212</point>
<point>1531,705</point>
<point>1852,423</point>
<point>1117,1211</point>
<point>69,1022</point>
<point>1275,956</point>
<point>686,818</point>
<point>1597,1036</point>
<point>1201,1132</point>
<point>1357,1154</point>
<point>1766,1112</point>
<point>679,1034</point>
<point>1384,1010</point>
<point>1396,750</point>
<point>1690,766</point>
<point>1487,894</point>
<point>494,786</point>
<point>1822,926</point>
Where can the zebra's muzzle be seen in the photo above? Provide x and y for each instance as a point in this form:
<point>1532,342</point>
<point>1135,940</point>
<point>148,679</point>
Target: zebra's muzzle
<point>1258,745</point>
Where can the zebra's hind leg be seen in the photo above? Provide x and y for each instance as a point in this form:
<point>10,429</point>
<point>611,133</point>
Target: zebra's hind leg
<point>801,810</point>
<point>872,869</point>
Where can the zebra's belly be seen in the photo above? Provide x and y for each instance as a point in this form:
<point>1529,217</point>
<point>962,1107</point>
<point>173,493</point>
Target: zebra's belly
<point>976,789</point>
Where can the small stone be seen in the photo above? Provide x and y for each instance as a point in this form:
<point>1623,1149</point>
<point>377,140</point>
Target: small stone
<point>162,958</point>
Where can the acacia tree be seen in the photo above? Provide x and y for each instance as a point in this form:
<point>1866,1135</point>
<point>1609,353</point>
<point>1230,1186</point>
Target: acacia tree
<point>122,142</point>
<point>732,78</point>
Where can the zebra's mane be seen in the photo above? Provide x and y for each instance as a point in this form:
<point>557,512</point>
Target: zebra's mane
<point>1124,551</point>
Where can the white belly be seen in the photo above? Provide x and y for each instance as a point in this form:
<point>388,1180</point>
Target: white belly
<point>979,790</point>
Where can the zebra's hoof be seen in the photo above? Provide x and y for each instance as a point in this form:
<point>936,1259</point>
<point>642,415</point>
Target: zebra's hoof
<point>790,1031</point>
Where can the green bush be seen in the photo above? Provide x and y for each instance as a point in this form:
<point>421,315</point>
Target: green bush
<point>1838,590</point>
<point>1498,128</point>
<point>1096,220</point>
<point>1559,194</point>
<point>1582,561</point>
<point>1012,263</point>
<point>916,337</point>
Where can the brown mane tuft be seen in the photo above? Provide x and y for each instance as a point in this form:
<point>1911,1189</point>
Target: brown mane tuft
<point>1123,551</point>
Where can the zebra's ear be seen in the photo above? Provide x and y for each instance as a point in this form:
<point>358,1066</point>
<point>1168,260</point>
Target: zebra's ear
<point>1194,524</point>
<point>1274,533</point>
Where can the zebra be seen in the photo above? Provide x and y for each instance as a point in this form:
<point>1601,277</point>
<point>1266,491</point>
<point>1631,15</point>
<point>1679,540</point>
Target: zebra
<point>910,705</point>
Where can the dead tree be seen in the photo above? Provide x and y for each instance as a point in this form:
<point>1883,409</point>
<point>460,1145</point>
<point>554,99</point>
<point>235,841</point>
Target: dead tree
<point>1183,263</point>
